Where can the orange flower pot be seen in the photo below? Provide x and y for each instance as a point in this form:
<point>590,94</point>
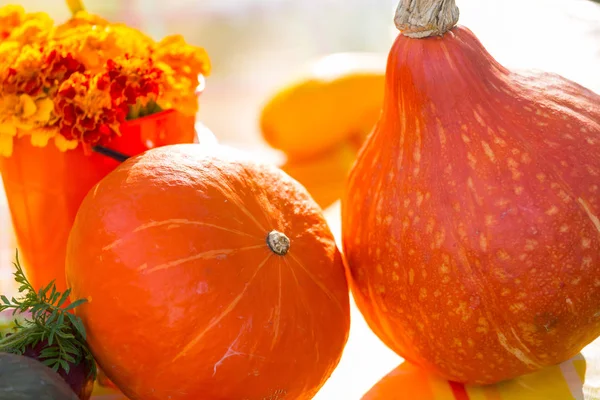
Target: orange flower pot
<point>44,187</point>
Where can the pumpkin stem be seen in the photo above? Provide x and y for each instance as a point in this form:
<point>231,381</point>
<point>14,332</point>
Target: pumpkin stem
<point>278,242</point>
<point>425,18</point>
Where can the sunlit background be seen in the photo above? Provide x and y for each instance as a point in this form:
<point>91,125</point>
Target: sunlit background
<point>258,45</point>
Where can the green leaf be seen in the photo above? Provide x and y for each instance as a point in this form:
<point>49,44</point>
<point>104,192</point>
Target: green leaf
<point>38,309</point>
<point>52,294</point>
<point>61,319</point>
<point>49,362</point>
<point>75,304</point>
<point>53,330</point>
<point>69,358</point>
<point>53,315</point>
<point>77,324</point>
<point>51,337</point>
<point>64,335</point>
<point>49,352</point>
<point>49,322</point>
<point>45,290</point>
<point>64,297</point>
<point>54,297</point>
<point>37,336</point>
<point>93,369</point>
<point>68,348</point>
<point>65,365</point>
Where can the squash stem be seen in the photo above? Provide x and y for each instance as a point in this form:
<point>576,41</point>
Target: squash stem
<point>425,18</point>
<point>75,6</point>
<point>278,243</point>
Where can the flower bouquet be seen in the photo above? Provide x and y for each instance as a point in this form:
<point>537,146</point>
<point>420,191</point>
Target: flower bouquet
<point>75,100</point>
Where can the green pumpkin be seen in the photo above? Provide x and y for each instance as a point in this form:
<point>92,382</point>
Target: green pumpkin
<point>23,378</point>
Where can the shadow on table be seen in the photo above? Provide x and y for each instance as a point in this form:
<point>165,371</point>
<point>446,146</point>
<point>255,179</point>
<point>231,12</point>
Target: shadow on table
<point>408,382</point>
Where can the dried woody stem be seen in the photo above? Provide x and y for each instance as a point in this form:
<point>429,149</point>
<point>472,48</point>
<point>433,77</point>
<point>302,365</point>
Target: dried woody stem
<point>425,18</point>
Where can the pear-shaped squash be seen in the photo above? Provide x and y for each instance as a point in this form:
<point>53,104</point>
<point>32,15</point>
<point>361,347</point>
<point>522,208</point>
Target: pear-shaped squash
<point>471,222</point>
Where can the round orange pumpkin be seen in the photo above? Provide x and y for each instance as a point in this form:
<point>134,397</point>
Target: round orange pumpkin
<point>209,276</point>
<point>471,222</point>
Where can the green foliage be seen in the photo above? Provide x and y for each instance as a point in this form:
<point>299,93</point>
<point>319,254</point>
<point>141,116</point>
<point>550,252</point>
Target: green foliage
<point>50,322</point>
<point>140,110</point>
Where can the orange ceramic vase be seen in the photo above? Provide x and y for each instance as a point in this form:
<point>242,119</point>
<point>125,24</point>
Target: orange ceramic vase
<point>45,186</point>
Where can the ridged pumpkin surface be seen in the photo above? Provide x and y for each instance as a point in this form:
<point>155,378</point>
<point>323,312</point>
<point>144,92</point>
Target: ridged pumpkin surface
<point>187,299</point>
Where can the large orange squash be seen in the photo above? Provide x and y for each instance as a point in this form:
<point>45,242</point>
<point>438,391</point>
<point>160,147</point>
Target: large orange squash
<point>209,276</point>
<point>471,222</point>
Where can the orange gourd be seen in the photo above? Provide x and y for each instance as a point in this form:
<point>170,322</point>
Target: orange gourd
<point>471,222</point>
<point>561,381</point>
<point>336,100</point>
<point>208,276</point>
<point>324,175</point>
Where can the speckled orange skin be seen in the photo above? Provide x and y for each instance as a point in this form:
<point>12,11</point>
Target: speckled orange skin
<point>186,299</point>
<point>470,222</point>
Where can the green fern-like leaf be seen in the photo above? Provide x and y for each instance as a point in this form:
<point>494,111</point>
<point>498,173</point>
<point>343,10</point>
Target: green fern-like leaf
<point>49,321</point>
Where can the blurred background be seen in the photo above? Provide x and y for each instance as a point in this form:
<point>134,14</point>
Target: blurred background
<point>256,46</point>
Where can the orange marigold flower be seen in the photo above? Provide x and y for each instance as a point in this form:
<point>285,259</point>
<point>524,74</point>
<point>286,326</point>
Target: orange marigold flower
<point>92,107</point>
<point>86,113</point>
<point>131,78</point>
<point>79,81</point>
<point>21,113</point>
<point>182,64</point>
<point>35,28</point>
<point>58,66</point>
<point>22,75</point>
<point>9,52</point>
<point>132,41</point>
<point>34,71</point>
<point>24,28</point>
<point>93,42</point>
<point>183,58</point>
<point>179,92</point>
<point>10,17</point>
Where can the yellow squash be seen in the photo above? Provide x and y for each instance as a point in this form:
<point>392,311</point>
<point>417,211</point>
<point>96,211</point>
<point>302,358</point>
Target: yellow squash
<point>324,175</point>
<point>340,96</point>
